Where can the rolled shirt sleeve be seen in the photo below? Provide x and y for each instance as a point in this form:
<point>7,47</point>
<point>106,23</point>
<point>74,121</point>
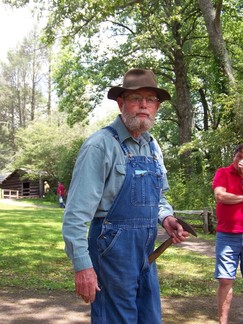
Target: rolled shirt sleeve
<point>165,209</point>
<point>84,196</point>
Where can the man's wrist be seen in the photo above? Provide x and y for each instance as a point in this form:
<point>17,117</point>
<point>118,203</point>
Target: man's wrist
<point>82,263</point>
<point>165,219</point>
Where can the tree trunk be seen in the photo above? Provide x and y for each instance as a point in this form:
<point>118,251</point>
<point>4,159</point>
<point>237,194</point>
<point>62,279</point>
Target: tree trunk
<point>183,101</point>
<point>49,84</point>
<point>19,109</point>
<point>217,43</point>
<point>33,81</point>
<point>183,108</point>
<point>205,109</point>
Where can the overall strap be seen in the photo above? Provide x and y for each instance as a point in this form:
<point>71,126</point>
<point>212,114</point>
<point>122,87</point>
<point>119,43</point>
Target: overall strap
<point>155,155</point>
<point>115,135</point>
<point>153,149</point>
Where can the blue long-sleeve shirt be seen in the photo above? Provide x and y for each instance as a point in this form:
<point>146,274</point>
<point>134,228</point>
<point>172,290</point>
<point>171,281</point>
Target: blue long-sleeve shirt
<point>97,178</point>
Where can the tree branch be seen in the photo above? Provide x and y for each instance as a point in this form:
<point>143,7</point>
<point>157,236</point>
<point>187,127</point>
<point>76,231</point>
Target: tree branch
<point>217,15</point>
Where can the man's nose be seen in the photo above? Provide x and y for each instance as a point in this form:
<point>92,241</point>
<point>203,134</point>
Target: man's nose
<point>143,102</point>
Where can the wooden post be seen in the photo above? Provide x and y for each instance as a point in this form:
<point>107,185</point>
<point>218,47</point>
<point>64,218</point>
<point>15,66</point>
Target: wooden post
<point>205,220</point>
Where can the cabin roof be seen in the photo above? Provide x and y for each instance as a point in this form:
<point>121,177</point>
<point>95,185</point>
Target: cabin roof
<point>4,176</point>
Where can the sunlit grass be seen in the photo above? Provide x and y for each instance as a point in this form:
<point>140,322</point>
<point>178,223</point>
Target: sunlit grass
<point>184,273</point>
<point>32,249</point>
<point>187,273</point>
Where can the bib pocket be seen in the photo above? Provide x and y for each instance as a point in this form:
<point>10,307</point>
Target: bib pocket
<point>146,188</point>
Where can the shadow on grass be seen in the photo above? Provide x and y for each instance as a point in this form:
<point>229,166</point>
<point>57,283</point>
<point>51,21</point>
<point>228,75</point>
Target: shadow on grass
<point>30,306</point>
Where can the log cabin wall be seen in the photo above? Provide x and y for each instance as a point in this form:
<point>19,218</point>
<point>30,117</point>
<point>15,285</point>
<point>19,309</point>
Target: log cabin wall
<point>26,187</point>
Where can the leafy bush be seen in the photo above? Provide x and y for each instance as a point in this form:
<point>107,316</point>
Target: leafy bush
<point>190,193</point>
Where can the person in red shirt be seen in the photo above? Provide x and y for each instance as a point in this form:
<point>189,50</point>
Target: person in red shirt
<point>61,194</point>
<point>228,193</point>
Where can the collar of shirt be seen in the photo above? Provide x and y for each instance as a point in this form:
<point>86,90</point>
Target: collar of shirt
<point>232,169</point>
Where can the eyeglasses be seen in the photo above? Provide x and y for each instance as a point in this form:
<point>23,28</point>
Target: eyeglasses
<point>137,99</point>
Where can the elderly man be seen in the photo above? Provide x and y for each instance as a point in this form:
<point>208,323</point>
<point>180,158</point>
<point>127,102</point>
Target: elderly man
<point>119,184</point>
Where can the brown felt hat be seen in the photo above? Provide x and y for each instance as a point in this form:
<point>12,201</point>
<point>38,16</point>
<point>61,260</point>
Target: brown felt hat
<point>136,79</point>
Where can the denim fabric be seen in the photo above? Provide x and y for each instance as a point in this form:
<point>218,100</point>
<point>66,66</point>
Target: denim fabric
<point>229,251</point>
<point>119,246</point>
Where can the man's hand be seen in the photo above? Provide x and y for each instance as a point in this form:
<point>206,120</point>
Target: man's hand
<point>86,284</point>
<point>174,229</point>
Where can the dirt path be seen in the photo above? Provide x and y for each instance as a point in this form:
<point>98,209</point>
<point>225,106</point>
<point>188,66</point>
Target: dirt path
<point>191,243</point>
<point>14,202</point>
<point>27,307</point>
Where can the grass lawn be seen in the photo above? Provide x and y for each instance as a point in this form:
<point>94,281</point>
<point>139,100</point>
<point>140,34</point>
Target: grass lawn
<point>31,246</point>
<point>33,257</point>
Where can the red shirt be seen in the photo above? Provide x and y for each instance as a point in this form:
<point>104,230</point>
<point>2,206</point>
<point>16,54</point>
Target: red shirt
<point>229,217</point>
<point>60,189</point>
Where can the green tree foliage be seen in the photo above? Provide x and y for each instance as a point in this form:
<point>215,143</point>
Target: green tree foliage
<point>169,37</point>
<point>5,151</point>
<point>67,158</point>
<point>106,38</point>
<point>48,148</point>
<point>22,83</point>
<point>23,89</point>
<point>74,87</point>
<point>101,40</point>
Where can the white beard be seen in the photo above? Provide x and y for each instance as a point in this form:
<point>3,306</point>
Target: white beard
<point>134,123</point>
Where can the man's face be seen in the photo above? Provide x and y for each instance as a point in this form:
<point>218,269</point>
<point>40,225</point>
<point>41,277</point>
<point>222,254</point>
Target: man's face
<point>138,109</point>
<point>238,162</point>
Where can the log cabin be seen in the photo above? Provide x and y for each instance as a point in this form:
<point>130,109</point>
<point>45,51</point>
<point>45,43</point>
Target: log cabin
<point>17,184</point>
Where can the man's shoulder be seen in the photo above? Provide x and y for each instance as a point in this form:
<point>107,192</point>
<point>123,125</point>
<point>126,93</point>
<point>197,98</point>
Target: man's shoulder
<point>222,174</point>
<point>226,169</point>
<point>100,139</point>
<point>104,135</point>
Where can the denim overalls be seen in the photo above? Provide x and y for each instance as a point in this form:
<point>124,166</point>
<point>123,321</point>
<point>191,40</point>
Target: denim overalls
<point>120,243</point>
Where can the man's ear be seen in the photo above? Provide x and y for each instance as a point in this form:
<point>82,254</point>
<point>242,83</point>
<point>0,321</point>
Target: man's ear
<point>120,102</point>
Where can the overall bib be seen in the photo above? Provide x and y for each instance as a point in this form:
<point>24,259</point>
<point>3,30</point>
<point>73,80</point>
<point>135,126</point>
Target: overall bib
<point>120,243</point>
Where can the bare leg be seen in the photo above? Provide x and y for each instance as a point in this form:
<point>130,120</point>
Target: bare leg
<point>225,295</point>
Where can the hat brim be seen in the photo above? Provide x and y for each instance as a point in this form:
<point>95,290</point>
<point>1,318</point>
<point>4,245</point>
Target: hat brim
<point>116,92</point>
